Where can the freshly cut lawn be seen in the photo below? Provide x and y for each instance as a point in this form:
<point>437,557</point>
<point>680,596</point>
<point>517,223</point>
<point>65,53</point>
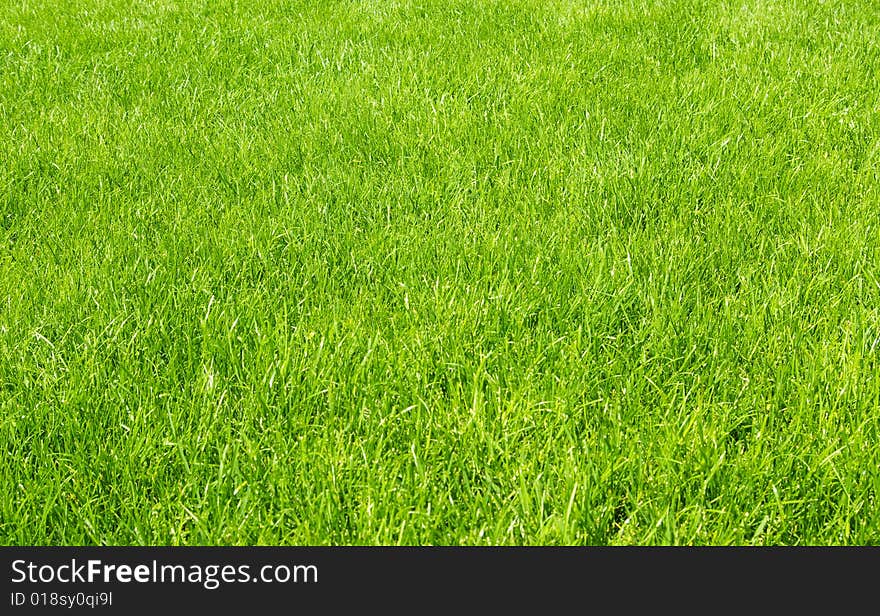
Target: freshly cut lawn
<point>440,271</point>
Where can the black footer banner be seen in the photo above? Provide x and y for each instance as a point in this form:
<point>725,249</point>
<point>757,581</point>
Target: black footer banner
<point>130,580</point>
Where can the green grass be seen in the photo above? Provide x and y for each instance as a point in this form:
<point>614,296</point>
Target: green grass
<point>440,271</point>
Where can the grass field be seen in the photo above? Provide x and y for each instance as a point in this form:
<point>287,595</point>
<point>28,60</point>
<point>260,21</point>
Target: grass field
<point>440,271</point>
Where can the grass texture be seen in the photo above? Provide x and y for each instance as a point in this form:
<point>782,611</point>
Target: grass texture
<point>439,272</point>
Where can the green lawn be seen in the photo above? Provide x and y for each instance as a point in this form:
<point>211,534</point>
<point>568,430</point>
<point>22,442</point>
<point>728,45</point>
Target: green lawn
<point>439,271</point>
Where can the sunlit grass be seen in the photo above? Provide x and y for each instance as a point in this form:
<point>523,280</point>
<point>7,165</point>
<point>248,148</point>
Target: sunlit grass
<point>439,271</point>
